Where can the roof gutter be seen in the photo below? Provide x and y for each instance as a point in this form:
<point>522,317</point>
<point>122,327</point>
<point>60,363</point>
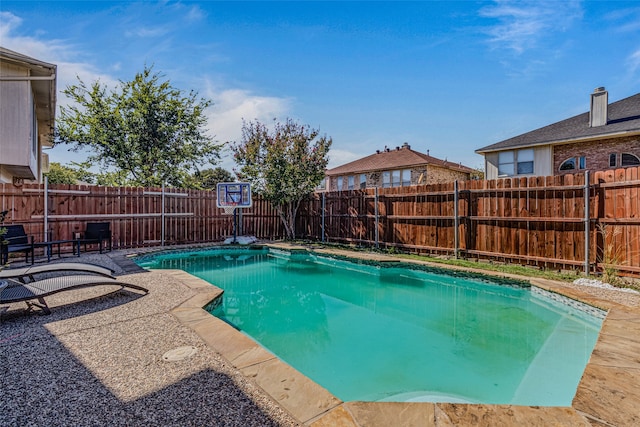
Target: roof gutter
<point>27,78</point>
<point>565,141</point>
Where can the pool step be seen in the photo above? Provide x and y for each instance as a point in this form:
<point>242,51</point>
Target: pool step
<point>551,372</point>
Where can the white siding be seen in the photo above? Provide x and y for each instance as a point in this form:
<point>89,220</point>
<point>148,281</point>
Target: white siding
<point>543,161</point>
<point>491,165</point>
<point>17,124</point>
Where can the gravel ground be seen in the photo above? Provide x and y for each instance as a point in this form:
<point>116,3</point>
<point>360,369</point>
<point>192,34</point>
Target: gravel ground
<point>624,296</point>
<point>98,360</point>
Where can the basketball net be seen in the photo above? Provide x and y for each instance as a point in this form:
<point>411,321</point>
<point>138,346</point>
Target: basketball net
<point>228,210</point>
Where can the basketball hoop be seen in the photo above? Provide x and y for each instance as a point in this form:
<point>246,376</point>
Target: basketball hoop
<point>231,196</point>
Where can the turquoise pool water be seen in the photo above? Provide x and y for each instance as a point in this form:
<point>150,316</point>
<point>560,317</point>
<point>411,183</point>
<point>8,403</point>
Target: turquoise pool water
<point>386,333</point>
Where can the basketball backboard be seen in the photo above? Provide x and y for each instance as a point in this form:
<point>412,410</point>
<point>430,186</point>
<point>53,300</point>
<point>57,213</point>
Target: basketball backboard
<point>234,194</point>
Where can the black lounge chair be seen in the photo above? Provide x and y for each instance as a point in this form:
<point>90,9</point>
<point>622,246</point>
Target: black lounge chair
<point>15,240</point>
<point>96,232</point>
<point>25,274</point>
<point>16,291</point>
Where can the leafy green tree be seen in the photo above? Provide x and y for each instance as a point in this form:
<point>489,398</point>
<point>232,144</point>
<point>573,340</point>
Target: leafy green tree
<point>146,129</point>
<point>478,173</point>
<point>283,165</point>
<point>69,174</point>
<point>208,179</point>
<point>114,179</point>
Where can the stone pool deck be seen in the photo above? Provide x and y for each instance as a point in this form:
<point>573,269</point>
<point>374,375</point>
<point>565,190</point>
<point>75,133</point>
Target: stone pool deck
<point>102,358</point>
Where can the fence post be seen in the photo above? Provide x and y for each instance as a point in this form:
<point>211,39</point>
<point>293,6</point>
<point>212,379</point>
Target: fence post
<point>456,221</point>
<point>323,210</point>
<point>46,208</point>
<point>587,222</point>
<point>162,218</point>
<point>377,221</point>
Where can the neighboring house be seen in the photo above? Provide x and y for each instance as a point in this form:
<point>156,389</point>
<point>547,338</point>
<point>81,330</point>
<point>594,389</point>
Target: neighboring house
<point>606,137</point>
<point>398,167</point>
<point>27,114</point>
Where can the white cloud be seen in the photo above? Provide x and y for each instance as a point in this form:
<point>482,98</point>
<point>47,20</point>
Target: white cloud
<point>148,32</point>
<point>634,62</point>
<point>522,24</point>
<point>58,52</point>
<point>339,157</point>
<point>625,20</point>
<point>231,106</point>
<point>195,14</point>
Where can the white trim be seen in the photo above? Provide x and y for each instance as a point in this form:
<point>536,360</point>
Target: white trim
<point>39,190</point>
<point>106,216</point>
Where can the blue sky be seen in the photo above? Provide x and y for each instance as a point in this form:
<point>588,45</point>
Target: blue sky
<point>449,77</point>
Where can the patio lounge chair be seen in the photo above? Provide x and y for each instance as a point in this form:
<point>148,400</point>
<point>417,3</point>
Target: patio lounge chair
<point>16,291</point>
<point>25,274</point>
<point>15,240</point>
<point>96,232</point>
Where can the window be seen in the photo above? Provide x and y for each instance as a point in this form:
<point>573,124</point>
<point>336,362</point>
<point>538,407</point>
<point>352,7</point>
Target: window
<point>519,162</point>
<point>406,177</point>
<point>525,161</point>
<point>612,160</point>
<point>323,184</point>
<point>629,159</point>
<point>386,179</point>
<point>363,181</point>
<point>574,163</point>
<point>568,164</point>
<point>339,183</point>
<point>351,182</point>
<point>505,163</point>
<point>396,178</point>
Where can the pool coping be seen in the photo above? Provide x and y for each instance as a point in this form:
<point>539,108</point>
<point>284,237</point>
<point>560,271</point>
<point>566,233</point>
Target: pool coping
<point>608,393</point>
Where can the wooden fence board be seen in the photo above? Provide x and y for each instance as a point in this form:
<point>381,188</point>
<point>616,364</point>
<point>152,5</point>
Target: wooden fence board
<point>534,220</point>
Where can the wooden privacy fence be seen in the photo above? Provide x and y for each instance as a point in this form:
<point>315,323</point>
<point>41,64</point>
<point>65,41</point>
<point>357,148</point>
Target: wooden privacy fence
<point>138,216</point>
<point>582,221</point>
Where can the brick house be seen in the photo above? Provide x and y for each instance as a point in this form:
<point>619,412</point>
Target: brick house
<point>398,167</point>
<point>27,114</point>
<point>605,137</point>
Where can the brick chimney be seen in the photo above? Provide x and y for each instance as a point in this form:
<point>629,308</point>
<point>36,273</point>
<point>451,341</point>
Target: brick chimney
<point>599,114</point>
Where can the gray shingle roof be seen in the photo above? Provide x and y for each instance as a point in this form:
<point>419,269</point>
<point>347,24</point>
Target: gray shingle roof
<point>624,117</point>
<point>401,157</point>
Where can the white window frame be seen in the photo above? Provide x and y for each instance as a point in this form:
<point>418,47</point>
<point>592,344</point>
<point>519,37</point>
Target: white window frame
<point>406,177</point>
<point>506,163</point>
<point>524,157</point>
<point>573,165</point>
<point>622,162</point>
<point>386,179</point>
<point>396,178</point>
<point>510,163</point>
<point>323,184</point>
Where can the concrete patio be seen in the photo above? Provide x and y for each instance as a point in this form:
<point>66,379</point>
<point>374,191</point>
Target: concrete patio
<point>160,359</point>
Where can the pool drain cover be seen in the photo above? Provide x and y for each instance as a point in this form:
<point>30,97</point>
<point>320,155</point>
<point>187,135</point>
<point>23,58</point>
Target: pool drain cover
<point>179,353</point>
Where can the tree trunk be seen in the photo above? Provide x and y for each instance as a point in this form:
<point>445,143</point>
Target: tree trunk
<point>287,213</point>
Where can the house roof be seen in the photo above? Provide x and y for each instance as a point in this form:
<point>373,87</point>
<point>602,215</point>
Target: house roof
<point>43,82</point>
<point>397,158</point>
<point>623,118</point>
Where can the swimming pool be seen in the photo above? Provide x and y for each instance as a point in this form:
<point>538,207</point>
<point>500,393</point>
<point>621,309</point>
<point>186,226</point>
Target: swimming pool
<point>382,332</point>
